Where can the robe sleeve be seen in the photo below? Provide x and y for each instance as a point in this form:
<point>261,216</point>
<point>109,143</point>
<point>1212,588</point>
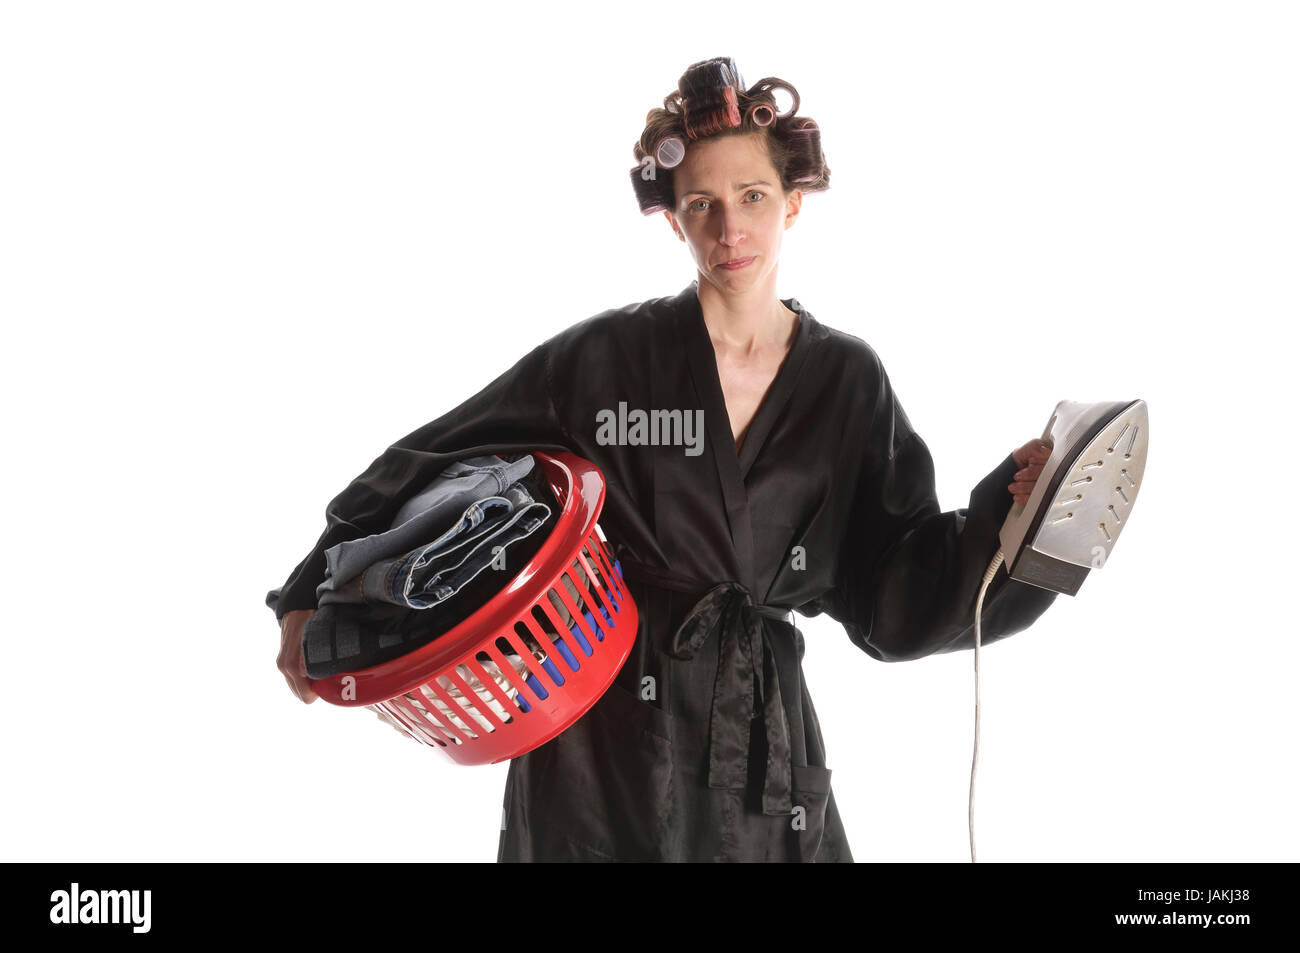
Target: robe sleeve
<point>516,413</point>
<point>908,574</point>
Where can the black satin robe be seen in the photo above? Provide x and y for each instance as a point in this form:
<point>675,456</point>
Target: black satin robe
<point>707,746</point>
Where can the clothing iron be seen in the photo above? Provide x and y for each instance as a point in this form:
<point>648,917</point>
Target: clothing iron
<point>1082,499</point>
<point>1080,503</point>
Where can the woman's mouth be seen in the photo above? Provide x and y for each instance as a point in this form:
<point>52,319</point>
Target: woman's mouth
<point>736,263</point>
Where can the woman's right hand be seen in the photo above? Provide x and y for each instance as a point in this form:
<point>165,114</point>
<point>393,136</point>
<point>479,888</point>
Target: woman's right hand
<point>291,660</point>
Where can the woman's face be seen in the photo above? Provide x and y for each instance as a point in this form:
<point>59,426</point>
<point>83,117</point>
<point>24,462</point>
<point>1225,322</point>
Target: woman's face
<point>730,207</point>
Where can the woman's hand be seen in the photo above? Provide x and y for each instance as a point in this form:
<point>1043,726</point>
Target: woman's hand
<point>291,661</point>
<point>1030,458</point>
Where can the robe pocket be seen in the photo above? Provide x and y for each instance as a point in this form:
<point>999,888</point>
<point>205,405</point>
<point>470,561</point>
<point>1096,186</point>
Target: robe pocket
<point>810,789</point>
<point>605,792</point>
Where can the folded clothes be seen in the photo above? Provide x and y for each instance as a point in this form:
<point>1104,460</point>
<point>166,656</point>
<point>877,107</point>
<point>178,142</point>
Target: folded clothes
<point>425,579</point>
<point>436,571</point>
<point>344,637</point>
<point>425,516</point>
<point>349,636</point>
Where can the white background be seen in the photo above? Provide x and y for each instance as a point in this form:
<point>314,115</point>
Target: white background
<point>248,245</point>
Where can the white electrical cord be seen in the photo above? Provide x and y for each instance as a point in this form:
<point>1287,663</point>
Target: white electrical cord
<point>979,606</point>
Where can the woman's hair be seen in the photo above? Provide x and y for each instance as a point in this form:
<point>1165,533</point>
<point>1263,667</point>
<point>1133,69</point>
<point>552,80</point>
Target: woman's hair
<point>711,100</point>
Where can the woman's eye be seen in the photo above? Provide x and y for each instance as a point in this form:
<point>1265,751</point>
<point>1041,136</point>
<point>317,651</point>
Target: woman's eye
<point>701,205</point>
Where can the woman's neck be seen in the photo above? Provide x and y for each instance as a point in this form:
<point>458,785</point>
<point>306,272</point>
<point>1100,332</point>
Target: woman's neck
<point>752,322</point>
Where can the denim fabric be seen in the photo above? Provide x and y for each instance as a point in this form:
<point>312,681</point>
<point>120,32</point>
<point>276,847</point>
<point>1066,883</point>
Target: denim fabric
<point>423,517</point>
<point>480,517</point>
<point>484,521</point>
<point>347,637</point>
<point>423,581</point>
<point>432,573</point>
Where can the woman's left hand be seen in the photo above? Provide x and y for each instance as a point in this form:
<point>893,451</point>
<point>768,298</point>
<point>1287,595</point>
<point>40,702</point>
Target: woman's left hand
<point>1030,458</point>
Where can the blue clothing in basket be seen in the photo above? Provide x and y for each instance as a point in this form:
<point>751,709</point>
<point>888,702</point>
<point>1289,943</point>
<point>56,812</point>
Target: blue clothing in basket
<point>423,518</point>
<point>436,571</point>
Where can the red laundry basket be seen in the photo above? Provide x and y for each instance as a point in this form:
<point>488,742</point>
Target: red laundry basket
<point>566,677</point>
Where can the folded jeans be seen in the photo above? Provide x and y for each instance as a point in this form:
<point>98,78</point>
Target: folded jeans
<point>422,580</point>
<point>423,517</point>
<point>434,571</point>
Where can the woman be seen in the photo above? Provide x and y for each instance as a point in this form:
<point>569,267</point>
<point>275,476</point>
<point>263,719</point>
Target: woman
<point>806,488</point>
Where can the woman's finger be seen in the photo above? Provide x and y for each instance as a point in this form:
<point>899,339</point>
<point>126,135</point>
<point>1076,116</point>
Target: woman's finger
<point>290,660</point>
<point>1036,450</point>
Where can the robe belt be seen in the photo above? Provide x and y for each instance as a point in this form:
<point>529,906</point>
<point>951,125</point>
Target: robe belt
<point>745,657</point>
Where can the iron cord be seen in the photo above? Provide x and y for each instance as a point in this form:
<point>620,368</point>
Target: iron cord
<point>979,606</point>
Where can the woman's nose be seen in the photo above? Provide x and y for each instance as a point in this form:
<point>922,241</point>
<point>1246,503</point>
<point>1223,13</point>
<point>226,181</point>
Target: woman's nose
<point>731,230</point>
